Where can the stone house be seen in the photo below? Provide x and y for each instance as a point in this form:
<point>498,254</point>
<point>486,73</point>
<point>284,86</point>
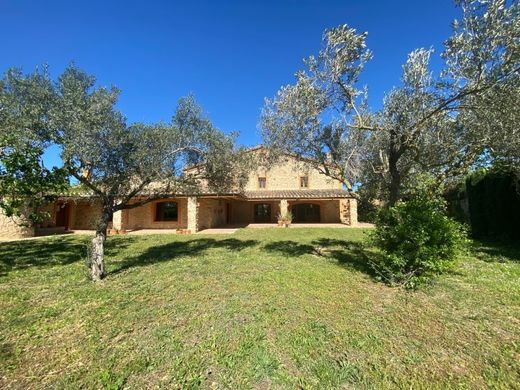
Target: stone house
<point>310,196</point>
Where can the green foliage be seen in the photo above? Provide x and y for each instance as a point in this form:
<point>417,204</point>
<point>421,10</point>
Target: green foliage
<point>286,216</point>
<point>368,206</point>
<point>494,203</point>
<point>435,123</point>
<point>26,185</point>
<point>417,238</point>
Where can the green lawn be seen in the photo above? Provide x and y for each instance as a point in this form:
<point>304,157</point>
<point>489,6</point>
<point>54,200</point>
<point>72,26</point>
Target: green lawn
<point>270,308</point>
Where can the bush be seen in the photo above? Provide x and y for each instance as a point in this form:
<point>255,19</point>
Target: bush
<point>367,206</point>
<point>418,240</point>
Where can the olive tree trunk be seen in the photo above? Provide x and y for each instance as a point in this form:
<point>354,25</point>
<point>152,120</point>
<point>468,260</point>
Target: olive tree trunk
<point>394,154</point>
<point>97,254</point>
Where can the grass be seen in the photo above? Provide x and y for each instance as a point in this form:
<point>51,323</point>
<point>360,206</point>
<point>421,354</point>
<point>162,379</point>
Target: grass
<point>270,308</point>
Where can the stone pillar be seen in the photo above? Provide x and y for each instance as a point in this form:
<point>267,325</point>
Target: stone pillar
<point>343,211</point>
<point>348,211</point>
<point>353,212</point>
<point>117,220</point>
<point>284,206</point>
<point>193,214</point>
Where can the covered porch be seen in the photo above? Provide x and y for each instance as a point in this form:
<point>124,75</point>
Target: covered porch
<point>191,214</point>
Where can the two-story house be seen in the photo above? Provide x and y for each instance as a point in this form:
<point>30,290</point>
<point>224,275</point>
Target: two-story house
<point>310,196</point>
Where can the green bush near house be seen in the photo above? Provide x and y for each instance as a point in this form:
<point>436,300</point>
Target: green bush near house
<point>417,238</point>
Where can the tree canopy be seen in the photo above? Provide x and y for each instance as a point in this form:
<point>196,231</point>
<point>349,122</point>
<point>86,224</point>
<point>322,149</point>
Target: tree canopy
<point>438,124</point>
<point>121,165</point>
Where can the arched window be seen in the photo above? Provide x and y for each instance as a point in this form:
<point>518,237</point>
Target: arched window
<point>166,211</point>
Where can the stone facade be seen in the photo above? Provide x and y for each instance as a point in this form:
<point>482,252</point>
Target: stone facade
<point>281,192</point>
<point>84,215</point>
<point>143,217</point>
<point>12,228</point>
<point>193,214</point>
<point>286,176</point>
<point>211,213</point>
<point>348,211</point>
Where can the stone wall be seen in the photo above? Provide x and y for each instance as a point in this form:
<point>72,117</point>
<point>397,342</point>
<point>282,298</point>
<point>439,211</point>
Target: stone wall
<point>241,212</point>
<point>348,211</point>
<point>330,211</point>
<point>84,215</point>
<point>286,176</point>
<point>10,228</point>
<point>211,213</point>
<point>50,220</point>
<point>143,217</point>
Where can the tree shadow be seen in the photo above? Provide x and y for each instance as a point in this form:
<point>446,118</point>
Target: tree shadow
<point>46,252</point>
<point>496,251</point>
<point>175,249</point>
<point>349,254</point>
<point>289,248</point>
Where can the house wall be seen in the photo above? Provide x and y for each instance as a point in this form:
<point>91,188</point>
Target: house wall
<point>10,228</point>
<point>143,217</point>
<point>240,212</point>
<point>84,215</point>
<point>212,213</point>
<point>286,176</point>
<point>50,220</point>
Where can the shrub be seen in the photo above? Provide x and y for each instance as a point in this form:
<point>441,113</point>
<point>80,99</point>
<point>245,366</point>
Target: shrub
<point>417,239</point>
<point>285,217</point>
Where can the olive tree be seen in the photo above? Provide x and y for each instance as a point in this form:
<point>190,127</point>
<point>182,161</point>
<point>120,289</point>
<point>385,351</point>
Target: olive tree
<point>427,124</point>
<point>126,166</point>
<point>25,183</point>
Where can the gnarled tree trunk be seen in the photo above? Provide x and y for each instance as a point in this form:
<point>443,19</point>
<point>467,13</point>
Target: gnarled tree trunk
<point>97,255</point>
<point>394,154</point>
<point>97,265</point>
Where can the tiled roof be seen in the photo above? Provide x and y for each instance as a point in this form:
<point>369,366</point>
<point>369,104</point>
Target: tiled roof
<point>248,195</point>
<point>298,194</point>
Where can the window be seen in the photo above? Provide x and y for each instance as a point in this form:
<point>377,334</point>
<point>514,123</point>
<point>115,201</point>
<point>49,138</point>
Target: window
<point>261,182</point>
<point>304,181</point>
<point>166,211</point>
<point>262,212</point>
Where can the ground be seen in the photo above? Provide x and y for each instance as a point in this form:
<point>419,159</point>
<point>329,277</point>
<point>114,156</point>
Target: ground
<point>262,308</point>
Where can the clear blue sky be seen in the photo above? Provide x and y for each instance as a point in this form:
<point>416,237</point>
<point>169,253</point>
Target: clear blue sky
<point>229,54</point>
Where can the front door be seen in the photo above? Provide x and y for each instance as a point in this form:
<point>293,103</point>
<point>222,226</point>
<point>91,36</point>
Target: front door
<point>262,212</point>
<point>62,215</point>
<point>306,212</point>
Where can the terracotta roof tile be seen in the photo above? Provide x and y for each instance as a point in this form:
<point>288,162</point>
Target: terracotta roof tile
<point>298,194</point>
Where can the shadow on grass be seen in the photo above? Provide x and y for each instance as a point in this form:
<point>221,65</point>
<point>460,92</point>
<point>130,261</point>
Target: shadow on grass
<point>50,252</point>
<point>496,251</point>
<point>172,250</point>
<point>348,254</point>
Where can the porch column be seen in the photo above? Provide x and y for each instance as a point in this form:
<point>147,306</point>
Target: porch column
<point>118,220</point>
<point>348,211</point>
<point>284,206</point>
<point>353,212</point>
<point>193,214</point>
